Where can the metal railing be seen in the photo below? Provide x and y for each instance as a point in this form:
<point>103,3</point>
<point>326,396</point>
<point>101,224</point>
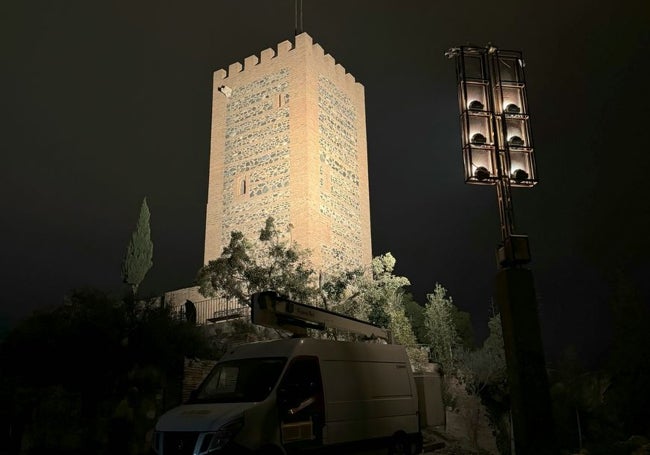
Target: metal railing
<point>215,310</point>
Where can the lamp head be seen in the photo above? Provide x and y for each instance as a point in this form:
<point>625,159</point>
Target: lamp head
<point>478,138</point>
<point>476,105</point>
<point>516,141</point>
<point>512,109</point>
<point>481,173</point>
<point>519,175</point>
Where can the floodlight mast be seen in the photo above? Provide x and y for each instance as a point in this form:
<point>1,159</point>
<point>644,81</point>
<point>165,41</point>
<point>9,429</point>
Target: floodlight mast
<point>498,150</point>
<point>270,309</point>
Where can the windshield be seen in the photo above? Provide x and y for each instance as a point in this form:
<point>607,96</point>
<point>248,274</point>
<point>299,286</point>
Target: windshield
<point>240,380</point>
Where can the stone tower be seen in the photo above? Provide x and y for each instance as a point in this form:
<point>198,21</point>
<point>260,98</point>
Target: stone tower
<point>289,141</point>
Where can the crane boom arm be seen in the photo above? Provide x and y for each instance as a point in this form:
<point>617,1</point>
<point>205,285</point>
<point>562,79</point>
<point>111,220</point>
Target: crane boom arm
<point>270,309</point>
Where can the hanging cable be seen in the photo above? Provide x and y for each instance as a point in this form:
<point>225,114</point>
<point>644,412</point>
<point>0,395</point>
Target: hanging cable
<point>297,16</point>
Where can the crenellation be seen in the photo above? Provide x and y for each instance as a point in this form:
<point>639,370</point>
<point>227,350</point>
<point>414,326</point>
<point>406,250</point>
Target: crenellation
<point>220,74</point>
<point>340,71</point>
<point>318,50</point>
<point>303,41</point>
<point>284,47</point>
<point>250,61</point>
<point>266,55</point>
<point>234,68</point>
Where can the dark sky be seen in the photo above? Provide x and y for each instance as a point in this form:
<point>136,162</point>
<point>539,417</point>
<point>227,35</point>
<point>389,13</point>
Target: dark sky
<point>104,103</point>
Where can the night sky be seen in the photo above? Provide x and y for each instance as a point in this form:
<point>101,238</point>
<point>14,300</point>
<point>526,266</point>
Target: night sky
<point>104,103</point>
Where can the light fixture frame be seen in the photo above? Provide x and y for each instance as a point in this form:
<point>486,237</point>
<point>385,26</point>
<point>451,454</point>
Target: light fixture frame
<point>495,78</point>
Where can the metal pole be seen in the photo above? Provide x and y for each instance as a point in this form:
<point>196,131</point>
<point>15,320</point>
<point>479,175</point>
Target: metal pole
<point>527,378</point>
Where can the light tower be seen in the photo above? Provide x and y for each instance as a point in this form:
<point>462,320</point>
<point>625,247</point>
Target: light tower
<point>498,150</point>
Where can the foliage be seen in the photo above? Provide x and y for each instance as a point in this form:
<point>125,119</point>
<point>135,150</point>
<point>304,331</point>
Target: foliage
<point>463,323</point>
<point>443,338</point>
<point>245,268</point>
<point>382,290</point>
<point>77,362</point>
<point>577,396</point>
<point>629,363</point>
<point>398,323</point>
<point>341,290</point>
<point>380,300</point>
<point>607,411</point>
<point>415,313</point>
<point>485,366</point>
<point>272,263</point>
<point>483,373</point>
<point>402,331</point>
<point>366,296</point>
<point>139,253</point>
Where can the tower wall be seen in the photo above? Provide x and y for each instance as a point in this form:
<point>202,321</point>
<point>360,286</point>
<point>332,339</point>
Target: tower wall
<point>289,141</point>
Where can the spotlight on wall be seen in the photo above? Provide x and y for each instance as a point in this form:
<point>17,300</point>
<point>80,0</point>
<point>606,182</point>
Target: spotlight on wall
<point>478,138</point>
<point>481,173</point>
<point>519,175</point>
<point>512,109</point>
<point>225,90</point>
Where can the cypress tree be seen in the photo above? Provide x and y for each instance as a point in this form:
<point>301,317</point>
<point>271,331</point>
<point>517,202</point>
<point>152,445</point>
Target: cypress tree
<point>139,253</point>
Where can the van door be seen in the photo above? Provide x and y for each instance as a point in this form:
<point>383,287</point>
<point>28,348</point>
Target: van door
<point>301,404</point>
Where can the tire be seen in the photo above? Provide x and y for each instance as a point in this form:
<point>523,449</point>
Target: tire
<point>269,450</point>
<point>400,445</point>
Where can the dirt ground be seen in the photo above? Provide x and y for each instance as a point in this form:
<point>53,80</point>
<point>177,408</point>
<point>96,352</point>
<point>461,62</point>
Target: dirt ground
<point>439,443</point>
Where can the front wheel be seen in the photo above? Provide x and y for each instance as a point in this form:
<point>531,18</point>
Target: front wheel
<point>400,445</point>
<point>269,450</point>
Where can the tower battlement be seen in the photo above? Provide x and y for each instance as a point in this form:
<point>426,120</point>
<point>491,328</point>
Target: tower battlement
<point>303,43</point>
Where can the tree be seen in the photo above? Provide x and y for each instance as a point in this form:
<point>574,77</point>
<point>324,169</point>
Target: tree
<point>90,353</point>
<point>628,397</point>
<point>486,366</point>
<point>483,375</point>
<point>271,264</point>
<point>415,313</point>
<point>577,396</point>
<point>341,288</point>
<point>438,318</point>
<point>463,323</point>
<point>377,298</point>
<point>275,264</point>
<point>402,331</point>
<point>363,295</point>
<point>139,253</point>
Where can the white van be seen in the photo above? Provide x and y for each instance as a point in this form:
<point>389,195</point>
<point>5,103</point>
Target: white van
<point>295,395</point>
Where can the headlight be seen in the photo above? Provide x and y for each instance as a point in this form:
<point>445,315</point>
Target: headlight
<point>219,439</point>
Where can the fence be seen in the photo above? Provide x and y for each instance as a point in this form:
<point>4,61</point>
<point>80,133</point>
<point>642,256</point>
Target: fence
<point>214,310</point>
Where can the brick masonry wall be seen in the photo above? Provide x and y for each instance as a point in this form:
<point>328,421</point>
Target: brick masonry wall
<point>289,142</point>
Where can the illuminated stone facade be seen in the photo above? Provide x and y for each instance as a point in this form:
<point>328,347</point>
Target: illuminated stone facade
<point>289,141</point>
